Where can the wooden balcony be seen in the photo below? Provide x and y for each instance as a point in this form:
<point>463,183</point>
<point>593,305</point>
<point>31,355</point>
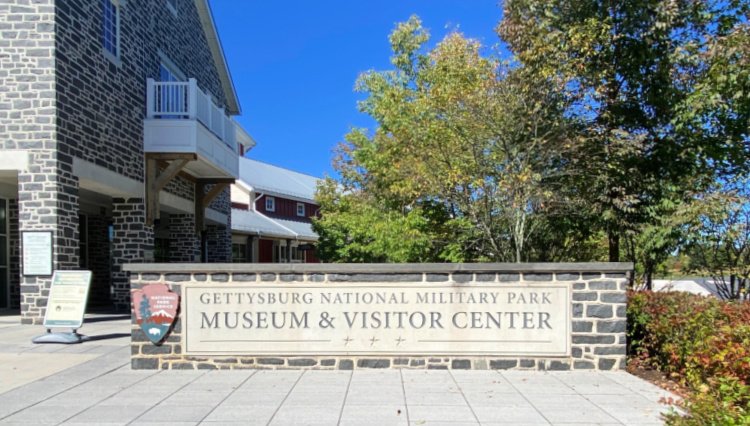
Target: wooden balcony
<point>182,119</point>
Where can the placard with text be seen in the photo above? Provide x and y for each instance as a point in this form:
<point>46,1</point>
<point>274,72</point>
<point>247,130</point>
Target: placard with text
<point>519,319</point>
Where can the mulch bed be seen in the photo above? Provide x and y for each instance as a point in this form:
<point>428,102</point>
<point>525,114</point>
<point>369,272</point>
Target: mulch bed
<point>659,378</point>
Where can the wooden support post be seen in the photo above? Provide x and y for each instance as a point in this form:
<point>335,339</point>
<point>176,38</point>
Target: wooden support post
<point>152,196</point>
<point>200,211</point>
<point>155,181</point>
<point>203,199</point>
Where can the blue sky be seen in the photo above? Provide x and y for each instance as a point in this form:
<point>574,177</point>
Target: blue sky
<point>294,64</point>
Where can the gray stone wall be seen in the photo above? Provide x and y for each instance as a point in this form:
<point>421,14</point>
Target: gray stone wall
<point>47,191</point>
<point>219,237</point>
<point>132,240</point>
<point>61,98</point>
<point>184,244</point>
<point>102,103</point>
<point>598,322</point>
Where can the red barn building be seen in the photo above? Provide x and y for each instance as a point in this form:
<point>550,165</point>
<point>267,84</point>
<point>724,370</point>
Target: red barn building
<point>272,209</point>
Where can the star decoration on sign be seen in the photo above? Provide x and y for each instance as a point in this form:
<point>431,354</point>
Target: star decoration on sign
<point>347,340</point>
<point>373,340</point>
<point>399,340</point>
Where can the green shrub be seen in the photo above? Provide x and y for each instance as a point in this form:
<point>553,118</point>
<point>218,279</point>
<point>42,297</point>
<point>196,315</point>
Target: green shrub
<point>704,342</point>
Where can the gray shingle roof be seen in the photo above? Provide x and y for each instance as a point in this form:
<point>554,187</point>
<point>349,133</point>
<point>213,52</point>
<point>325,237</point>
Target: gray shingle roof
<point>274,180</point>
<point>253,222</point>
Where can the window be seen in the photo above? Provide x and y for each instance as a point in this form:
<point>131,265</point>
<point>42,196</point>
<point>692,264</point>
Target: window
<point>161,250</point>
<point>270,204</point>
<point>281,253</point>
<point>111,28</point>
<point>171,97</point>
<point>301,209</point>
<point>172,6</point>
<point>239,253</point>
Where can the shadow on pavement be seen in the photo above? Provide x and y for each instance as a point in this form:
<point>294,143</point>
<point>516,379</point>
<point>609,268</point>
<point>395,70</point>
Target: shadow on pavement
<point>107,336</point>
<point>102,318</point>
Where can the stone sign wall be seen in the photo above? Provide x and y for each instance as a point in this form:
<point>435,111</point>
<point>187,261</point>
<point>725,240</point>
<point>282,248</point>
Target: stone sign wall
<point>462,316</point>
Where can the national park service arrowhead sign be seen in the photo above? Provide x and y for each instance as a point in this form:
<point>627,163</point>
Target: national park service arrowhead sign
<point>155,309</point>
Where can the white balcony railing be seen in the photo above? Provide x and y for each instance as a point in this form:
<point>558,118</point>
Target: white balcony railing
<point>184,100</point>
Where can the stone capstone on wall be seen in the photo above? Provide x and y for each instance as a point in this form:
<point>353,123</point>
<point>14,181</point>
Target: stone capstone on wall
<point>597,312</point>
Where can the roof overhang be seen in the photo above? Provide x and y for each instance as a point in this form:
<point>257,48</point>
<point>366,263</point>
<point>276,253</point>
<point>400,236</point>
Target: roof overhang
<point>209,28</point>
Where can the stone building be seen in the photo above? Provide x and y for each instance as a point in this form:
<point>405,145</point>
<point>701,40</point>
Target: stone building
<point>272,208</point>
<point>116,138</point>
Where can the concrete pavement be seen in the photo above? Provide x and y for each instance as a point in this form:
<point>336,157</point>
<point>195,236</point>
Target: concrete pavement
<point>92,383</point>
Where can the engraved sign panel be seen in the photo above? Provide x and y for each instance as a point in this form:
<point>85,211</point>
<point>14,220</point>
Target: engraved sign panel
<point>377,319</point>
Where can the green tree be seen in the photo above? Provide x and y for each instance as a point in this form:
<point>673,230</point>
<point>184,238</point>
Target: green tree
<point>641,75</point>
<point>719,239</point>
<point>466,160</point>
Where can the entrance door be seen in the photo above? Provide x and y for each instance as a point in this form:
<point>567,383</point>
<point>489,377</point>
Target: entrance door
<point>4,277</point>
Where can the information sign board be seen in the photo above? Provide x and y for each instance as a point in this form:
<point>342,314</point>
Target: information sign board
<point>67,299</point>
<point>37,253</point>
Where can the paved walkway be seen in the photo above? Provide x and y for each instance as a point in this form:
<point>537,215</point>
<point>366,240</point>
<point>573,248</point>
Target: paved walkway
<point>92,383</point>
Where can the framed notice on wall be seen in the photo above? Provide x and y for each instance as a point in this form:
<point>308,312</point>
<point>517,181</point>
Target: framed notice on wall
<point>37,253</point>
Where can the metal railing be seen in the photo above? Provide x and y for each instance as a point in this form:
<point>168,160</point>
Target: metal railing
<point>185,100</point>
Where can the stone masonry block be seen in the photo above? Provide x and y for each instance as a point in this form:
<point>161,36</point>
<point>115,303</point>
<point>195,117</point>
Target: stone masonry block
<point>243,277</point>
<point>144,363</point>
<point>302,362</point>
<point>589,296</point>
<point>582,326</point>
<point>622,311</point>
<point>610,350</point>
<point>599,311</point>
<point>586,276</point>
<point>558,366</point>
<point>506,278</point>
<point>614,298</point>
<point>437,277</point>
<point>461,364</point>
<point>503,364</point>
<point>583,339</point>
<point>461,277</point>
<point>375,277</point>
<point>287,278</point>
<point>567,277</point>
<point>177,277</point>
<point>602,285</point>
<point>606,364</point>
<point>537,277</point>
<point>373,363</point>
<point>611,326</point>
<point>583,365</point>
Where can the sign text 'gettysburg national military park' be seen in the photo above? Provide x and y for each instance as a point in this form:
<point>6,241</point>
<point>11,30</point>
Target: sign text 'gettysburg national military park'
<point>378,318</point>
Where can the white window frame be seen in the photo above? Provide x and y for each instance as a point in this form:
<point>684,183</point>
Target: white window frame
<point>170,65</point>
<point>172,6</point>
<point>270,204</point>
<point>114,57</point>
<point>301,209</point>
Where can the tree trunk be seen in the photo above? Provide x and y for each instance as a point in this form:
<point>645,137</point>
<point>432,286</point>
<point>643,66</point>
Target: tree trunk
<point>614,246</point>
